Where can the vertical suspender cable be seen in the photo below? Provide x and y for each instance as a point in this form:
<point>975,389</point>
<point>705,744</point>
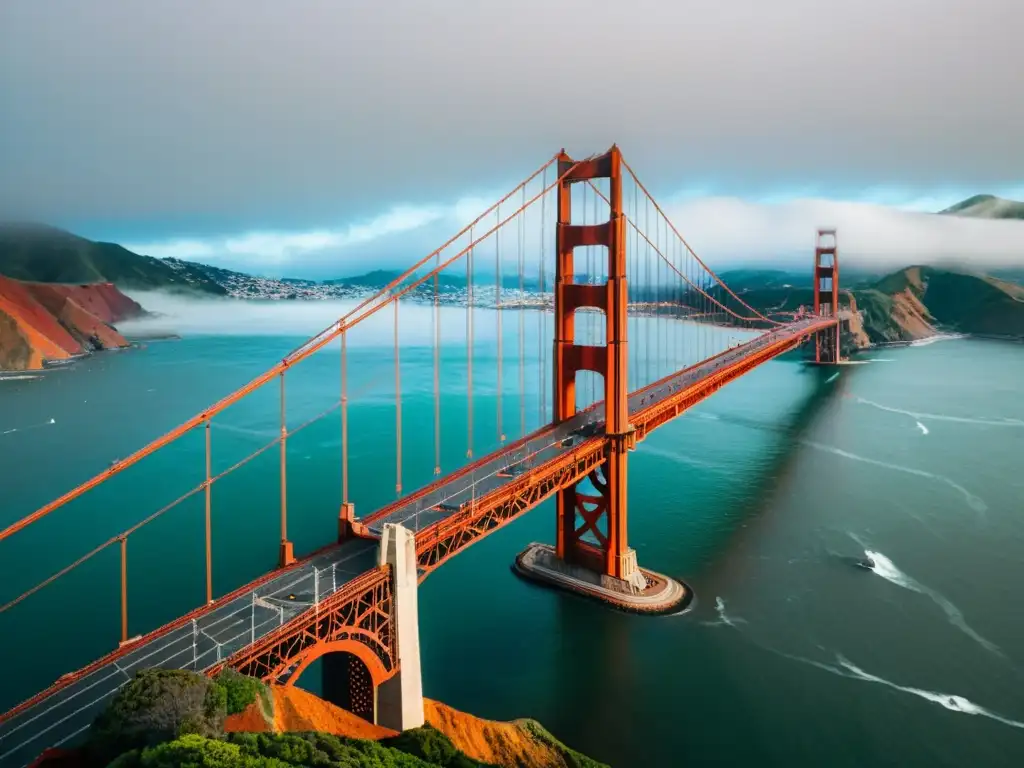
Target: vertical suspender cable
<point>398,411</point>
<point>469,348</point>
<point>437,374</point>
<point>634,369</point>
<point>542,310</point>
<point>647,281</point>
<point>522,319</point>
<point>209,552</point>
<point>284,471</point>
<point>344,417</point>
<point>124,589</point>
<point>498,312</point>
<point>598,318</point>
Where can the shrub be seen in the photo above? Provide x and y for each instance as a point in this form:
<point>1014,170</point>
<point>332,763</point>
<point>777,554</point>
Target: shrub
<point>158,705</point>
<point>241,691</point>
<point>431,745</point>
<point>194,751</point>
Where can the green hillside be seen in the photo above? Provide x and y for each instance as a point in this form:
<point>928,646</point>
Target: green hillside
<point>987,207</point>
<point>965,302</point>
<point>45,254</point>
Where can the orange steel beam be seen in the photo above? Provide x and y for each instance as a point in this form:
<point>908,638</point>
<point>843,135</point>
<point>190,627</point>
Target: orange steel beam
<point>442,540</point>
<point>362,610</point>
<point>366,308</point>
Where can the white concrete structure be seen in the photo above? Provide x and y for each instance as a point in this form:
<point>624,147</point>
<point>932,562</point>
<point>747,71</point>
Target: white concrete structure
<point>400,699</point>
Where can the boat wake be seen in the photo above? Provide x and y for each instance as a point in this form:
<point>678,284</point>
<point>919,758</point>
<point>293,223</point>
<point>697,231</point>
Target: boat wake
<point>952,702</point>
<point>942,417</point>
<point>26,429</point>
<point>886,568</point>
<point>974,502</point>
<point>846,668</point>
<point>724,618</point>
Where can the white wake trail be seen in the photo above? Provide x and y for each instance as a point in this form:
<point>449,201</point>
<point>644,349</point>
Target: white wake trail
<point>980,421</point>
<point>949,701</point>
<point>723,617</point>
<point>923,428</point>
<point>26,429</point>
<point>886,568</point>
<point>974,502</point>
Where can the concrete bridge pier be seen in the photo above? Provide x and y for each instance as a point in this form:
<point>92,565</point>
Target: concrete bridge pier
<point>400,699</point>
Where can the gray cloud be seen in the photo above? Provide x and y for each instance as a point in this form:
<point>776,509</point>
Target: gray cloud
<point>218,117</point>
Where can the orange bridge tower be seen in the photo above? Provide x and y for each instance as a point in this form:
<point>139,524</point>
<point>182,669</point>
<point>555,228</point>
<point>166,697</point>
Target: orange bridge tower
<point>604,567</point>
<point>826,295</point>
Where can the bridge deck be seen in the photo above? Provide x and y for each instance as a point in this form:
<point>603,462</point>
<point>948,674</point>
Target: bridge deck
<point>448,495</point>
<point>195,642</point>
<point>201,639</point>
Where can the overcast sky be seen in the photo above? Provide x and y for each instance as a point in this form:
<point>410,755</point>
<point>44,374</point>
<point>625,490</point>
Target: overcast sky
<point>289,136</point>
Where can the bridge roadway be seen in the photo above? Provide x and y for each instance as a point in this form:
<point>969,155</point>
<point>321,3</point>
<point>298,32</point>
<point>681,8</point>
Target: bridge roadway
<point>448,495</point>
<point>211,633</point>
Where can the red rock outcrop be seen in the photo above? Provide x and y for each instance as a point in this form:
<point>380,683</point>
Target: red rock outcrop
<point>42,321</point>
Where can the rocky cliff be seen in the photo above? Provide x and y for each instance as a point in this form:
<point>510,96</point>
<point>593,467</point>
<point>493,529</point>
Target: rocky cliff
<point>44,322</point>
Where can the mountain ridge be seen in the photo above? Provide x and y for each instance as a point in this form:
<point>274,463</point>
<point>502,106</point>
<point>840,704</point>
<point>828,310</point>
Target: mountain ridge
<point>986,207</point>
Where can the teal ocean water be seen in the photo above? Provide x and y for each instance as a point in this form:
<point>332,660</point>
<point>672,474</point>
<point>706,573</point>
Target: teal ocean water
<point>763,499</point>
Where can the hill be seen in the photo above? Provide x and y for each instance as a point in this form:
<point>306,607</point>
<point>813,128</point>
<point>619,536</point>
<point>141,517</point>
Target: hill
<point>43,323</point>
<point>911,303</point>
<point>170,717</point>
<point>924,299</point>
<point>987,207</point>
<point>38,253</point>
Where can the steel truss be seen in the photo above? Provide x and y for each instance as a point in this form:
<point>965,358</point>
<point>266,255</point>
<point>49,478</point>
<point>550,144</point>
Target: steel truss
<point>478,518</point>
<point>361,612</point>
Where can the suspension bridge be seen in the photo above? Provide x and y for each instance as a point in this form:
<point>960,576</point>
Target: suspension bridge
<point>571,319</point>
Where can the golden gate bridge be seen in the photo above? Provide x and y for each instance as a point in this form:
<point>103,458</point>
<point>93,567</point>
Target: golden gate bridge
<point>641,330</point>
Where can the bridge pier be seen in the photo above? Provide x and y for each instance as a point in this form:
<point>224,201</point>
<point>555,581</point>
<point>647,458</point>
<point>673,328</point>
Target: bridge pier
<point>353,683</point>
<point>400,699</point>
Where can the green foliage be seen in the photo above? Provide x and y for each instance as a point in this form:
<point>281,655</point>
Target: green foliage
<point>958,301</point>
<point>322,750</point>
<point>573,759</point>
<point>194,751</point>
<point>49,255</point>
<point>241,691</point>
<point>172,718</point>
<point>158,705</point>
<point>433,746</point>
